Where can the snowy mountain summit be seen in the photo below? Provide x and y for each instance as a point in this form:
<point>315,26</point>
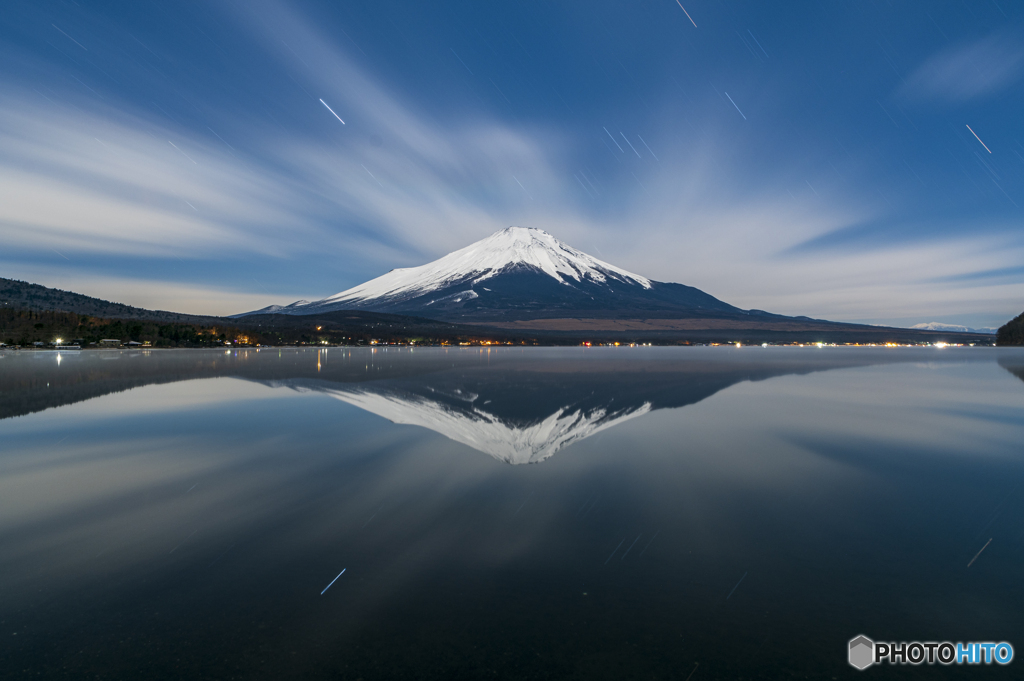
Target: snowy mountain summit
<point>502,252</point>
<point>518,271</point>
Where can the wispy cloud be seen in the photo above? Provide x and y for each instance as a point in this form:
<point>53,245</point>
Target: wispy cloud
<point>394,186</point>
<point>435,184</point>
<point>106,182</point>
<point>296,196</point>
<point>968,71</point>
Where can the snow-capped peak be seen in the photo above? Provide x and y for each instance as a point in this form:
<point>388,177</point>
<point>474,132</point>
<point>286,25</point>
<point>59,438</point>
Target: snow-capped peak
<point>959,328</point>
<point>510,247</point>
<point>940,326</point>
<point>273,309</point>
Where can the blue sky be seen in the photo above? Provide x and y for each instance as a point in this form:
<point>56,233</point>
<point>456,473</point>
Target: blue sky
<point>804,158</point>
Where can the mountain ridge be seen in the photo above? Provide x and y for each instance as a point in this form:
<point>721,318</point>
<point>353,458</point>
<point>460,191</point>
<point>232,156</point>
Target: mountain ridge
<point>516,273</point>
<point>22,295</point>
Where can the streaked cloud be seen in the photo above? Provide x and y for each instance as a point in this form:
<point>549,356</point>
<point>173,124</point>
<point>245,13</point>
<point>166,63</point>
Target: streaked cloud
<point>105,182</point>
<point>151,172</point>
<point>968,71</point>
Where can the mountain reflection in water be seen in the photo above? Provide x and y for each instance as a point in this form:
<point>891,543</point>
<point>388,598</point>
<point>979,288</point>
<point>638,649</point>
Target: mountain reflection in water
<point>506,439</point>
<point>519,406</point>
<point>179,514</point>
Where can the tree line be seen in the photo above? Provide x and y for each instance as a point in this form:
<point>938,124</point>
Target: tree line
<point>25,327</point>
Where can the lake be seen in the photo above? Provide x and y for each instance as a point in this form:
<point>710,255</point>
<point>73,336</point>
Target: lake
<point>512,513</point>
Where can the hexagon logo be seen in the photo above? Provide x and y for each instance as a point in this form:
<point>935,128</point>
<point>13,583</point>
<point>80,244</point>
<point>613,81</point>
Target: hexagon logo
<point>862,652</point>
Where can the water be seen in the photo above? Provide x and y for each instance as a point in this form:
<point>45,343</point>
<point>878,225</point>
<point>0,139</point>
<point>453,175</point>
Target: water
<point>620,513</point>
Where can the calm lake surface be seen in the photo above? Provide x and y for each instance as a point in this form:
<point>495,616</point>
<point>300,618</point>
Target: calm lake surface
<point>604,513</point>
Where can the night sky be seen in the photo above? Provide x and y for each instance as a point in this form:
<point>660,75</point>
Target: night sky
<point>804,158</point>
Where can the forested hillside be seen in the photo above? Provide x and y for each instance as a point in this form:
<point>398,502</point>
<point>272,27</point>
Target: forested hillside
<point>1012,332</point>
<point>20,295</point>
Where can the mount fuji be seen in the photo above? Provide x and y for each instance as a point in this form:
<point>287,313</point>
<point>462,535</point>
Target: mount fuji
<point>518,273</point>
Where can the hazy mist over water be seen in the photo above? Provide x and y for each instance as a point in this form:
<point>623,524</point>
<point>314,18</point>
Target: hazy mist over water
<point>513,513</point>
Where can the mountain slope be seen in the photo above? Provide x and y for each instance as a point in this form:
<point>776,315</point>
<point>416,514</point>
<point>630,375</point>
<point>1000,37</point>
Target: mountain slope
<point>1012,332</point>
<point>518,273</point>
<point>21,295</point>
<point>31,312</point>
